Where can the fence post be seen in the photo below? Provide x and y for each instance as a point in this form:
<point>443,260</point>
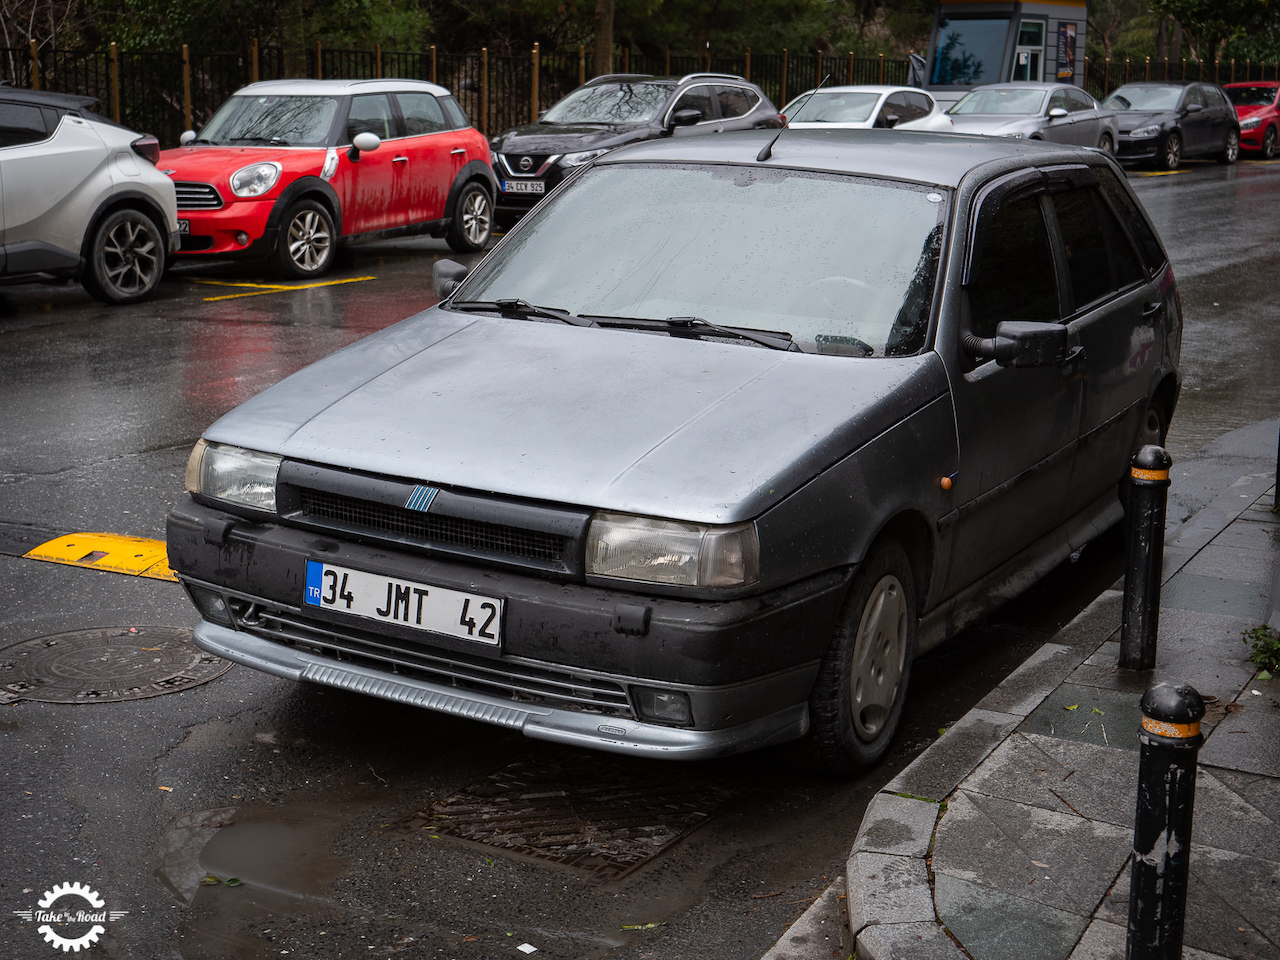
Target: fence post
<point>186,89</point>
<point>881,74</point>
<point>35,66</point>
<point>319,71</point>
<point>253,60</point>
<point>1146,70</point>
<point>746,59</point>
<point>1166,69</point>
<point>707,54</point>
<point>1233,71</point>
<point>484,90</point>
<point>534,95</point>
<point>582,64</point>
<point>850,78</point>
<point>377,61</point>
<point>783,98</point>
<point>115,82</point>
<point>817,62</point>
<point>433,64</point>
<point>667,70</point>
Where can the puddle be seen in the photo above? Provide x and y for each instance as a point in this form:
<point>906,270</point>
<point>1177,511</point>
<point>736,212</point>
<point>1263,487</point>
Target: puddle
<point>290,858</point>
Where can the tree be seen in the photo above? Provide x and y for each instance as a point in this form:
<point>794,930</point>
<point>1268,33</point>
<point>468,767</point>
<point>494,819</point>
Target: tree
<point>602,61</point>
<point>1210,24</point>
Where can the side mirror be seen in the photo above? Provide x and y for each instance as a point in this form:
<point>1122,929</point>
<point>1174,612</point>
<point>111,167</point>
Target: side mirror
<point>1025,343</point>
<point>363,143</point>
<point>446,275</point>
<point>1192,108</point>
<point>686,117</point>
<point>1057,113</point>
<point>187,137</point>
<point>891,120</point>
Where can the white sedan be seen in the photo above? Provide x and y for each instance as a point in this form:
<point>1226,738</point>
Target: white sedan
<point>903,108</point>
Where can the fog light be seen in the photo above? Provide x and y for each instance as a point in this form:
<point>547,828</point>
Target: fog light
<point>242,238</point>
<point>211,605</point>
<point>665,706</point>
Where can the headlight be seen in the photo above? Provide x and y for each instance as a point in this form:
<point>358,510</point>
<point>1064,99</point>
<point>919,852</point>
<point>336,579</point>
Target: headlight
<point>1016,136</point>
<point>255,179</point>
<point>1251,124</point>
<point>1144,132</point>
<point>681,554</point>
<point>233,474</point>
<point>578,159</point>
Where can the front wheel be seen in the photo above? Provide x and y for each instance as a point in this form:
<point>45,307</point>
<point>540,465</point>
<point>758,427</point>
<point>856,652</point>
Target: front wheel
<point>1171,155</point>
<point>472,220</point>
<point>1269,144</point>
<point>126,258</point>
<point>307,242</point>
<point>857,700</point>
<point>1231,151</point>
<point>1106,145</point>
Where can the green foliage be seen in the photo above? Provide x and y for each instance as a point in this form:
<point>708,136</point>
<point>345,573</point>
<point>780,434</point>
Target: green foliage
<point>1265,644</point>
<point>1213,23</point>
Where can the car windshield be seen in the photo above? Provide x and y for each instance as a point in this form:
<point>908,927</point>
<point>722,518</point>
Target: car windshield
<point>1143,98</point>
<point>1252,96</point>
<point>832,107</point>
<point>297,121</point>
<point>610,103</point>
<point>1013,102</point>
<point>844,264</point>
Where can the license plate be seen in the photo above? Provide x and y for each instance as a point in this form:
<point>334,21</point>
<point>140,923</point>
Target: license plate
<point>184,226</point>
<point>523,186</point>
<point>406,603</point>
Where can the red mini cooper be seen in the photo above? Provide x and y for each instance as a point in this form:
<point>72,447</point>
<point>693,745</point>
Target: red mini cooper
<point>287,168</point>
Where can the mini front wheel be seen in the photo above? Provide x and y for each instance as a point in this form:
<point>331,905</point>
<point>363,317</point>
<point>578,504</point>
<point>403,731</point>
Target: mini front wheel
<point>307,242</point>
<point>126,258</point>
<point>472,220</point>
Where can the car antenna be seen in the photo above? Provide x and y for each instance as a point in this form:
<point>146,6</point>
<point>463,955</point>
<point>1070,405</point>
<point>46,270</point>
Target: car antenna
<point>767,152</point>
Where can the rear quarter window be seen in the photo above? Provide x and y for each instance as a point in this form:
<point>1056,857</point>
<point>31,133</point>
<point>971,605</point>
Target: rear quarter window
<point>21,123</point>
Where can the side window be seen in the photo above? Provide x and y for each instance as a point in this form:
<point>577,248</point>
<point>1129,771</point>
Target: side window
<point>922,103</point>
<point>21,123</point>
<point>1084,245</point>
<point>1014,279</point>
<point>1124,202</point>
<point>454,114</point>
<point>735,101</point>
<point>895,106</point>
<point>1058,100</point>
<point>696,98</point>
<point>370,113</point>
<point>1079,100</point>
<point>422,114</point>
<point>1194,97</point>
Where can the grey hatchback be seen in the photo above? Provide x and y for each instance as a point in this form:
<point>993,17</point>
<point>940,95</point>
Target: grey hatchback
<point>709,481</point>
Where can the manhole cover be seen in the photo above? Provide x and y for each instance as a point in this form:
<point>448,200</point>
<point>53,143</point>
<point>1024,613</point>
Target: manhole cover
<point>591,813</point>
<point>105,664</point>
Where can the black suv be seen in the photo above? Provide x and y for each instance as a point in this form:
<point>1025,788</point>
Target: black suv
<point>1164,122</point>
<point>612,110</point>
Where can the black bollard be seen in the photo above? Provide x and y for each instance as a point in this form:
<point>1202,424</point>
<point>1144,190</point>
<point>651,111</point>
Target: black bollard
<point>1169,741</point>
<point>1148,493</point>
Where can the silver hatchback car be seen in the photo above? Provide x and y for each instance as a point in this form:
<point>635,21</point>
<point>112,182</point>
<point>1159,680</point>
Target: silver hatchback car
<point>82,198</point>
<point>1056,112</point>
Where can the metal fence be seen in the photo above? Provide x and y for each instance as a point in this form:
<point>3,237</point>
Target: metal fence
<point>166,92</point>
<point>1103,76</point>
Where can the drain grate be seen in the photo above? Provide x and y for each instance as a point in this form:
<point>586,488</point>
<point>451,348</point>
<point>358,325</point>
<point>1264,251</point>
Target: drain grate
<point>592,813</point>
<point>104,665</point>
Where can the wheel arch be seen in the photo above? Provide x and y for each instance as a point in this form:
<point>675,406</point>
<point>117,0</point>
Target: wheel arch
<point>1167,393</point>
<point>306,188</point>
<point>124,200</point>
<point>912,531</point>
<point>474,171</point>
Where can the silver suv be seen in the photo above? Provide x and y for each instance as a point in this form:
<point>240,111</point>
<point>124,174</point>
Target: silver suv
<point>81,198</point>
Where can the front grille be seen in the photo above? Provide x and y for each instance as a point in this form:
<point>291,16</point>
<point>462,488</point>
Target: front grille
<point>517,682</point>
<point>512,161</point>
<point>197,196</point>
<point>431,530</point>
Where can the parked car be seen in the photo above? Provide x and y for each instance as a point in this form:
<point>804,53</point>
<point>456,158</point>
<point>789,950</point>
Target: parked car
<point>1165,122</point>
<point>713,480</point>
<point>610,111</point>
<point>81,198</point>
<point>1057,112</point>
<point>854,107</point>
<point>287,168</point>
<point>1257,106</point>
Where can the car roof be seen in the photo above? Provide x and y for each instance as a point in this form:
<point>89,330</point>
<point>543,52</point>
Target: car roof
<point>1029,85</point>
<point>931,158</point>
<point>339,88</point>
<point>46,98</point>
<point>866,88</point>
<point>671,79</point>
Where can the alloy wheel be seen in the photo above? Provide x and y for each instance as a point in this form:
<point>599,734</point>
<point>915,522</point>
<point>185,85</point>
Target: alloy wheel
<point>879,657</point>
<point>131,261</point>
<point>1269,143</point>
<point>1172,152</point>
<point>309,241</point>
<point>477,218</point>
<point>1232,151</point>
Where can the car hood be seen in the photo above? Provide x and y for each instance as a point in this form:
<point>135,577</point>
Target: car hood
<point>692,430</point>
<point>210,164</point>
<point>1249,111</point>
<point>1135,119</point>
<point>547,138</point>
<point>995,124</point>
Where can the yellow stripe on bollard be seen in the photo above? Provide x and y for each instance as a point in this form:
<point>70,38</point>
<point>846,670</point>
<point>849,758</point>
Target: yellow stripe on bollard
<point>1181,731</point>
<point>137,556</point>
<point>1139,474</point>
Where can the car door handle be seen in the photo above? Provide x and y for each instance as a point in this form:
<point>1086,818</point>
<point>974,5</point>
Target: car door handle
<point>399,159</point>
<point>454,153</point>
<point>1150,311</point>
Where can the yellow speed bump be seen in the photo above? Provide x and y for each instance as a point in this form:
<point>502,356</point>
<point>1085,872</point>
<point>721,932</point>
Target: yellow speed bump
<point>138,556</point>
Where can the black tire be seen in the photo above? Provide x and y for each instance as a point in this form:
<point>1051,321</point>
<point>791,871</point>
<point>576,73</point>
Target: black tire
<point>857,699</point>
<point>1231,149</point>
<point>126,258</point>
<point>1269,144</point>
<point>307,241</point>
<point>1171,154</point>
<point>472,222</point>
<point>1107,145</point>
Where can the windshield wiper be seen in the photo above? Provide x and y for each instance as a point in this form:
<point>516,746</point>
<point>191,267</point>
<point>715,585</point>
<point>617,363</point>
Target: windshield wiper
<point>274,141</point>
<point>692,327</point>
<point>521,309</point>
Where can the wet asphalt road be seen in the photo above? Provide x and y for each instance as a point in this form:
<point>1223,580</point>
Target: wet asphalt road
<point>303,793</point>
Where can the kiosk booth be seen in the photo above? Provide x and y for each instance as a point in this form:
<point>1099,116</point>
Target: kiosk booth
<point>978,43</point>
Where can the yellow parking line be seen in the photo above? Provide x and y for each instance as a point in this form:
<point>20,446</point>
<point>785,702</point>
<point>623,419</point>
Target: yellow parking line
<point>137,556</point>
<point>1161,173</point>
<point>264,289</point>
<point>236,283</point>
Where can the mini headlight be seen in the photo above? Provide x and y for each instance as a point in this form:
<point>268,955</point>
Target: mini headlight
<point>255,179</point>
<point>1143,132</point>
<point>664,551</point>
<point>1251,124</point>
<point>578,159</point>
<point>233,474</point>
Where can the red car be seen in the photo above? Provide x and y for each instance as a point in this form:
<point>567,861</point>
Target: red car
<point>287,168</point>
<point>1256,106</point>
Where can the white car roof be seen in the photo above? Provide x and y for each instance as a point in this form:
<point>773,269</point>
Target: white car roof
<point>868,88</point>
<point>338,88</point>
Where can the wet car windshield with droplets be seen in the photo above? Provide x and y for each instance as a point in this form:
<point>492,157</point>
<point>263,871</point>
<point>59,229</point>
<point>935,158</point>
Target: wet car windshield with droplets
<point>610,103</point>
<point>1252,96</point>
<point>844,264</point>
<point>833,107</point>
<point>1001,101</point>
<point>297,121</point>
<point>1143,98</point>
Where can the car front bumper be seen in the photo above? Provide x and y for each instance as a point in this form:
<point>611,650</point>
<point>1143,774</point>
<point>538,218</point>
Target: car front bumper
<point>1252,139</point>
<point>1144,149</point>
<point>213,232</point>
